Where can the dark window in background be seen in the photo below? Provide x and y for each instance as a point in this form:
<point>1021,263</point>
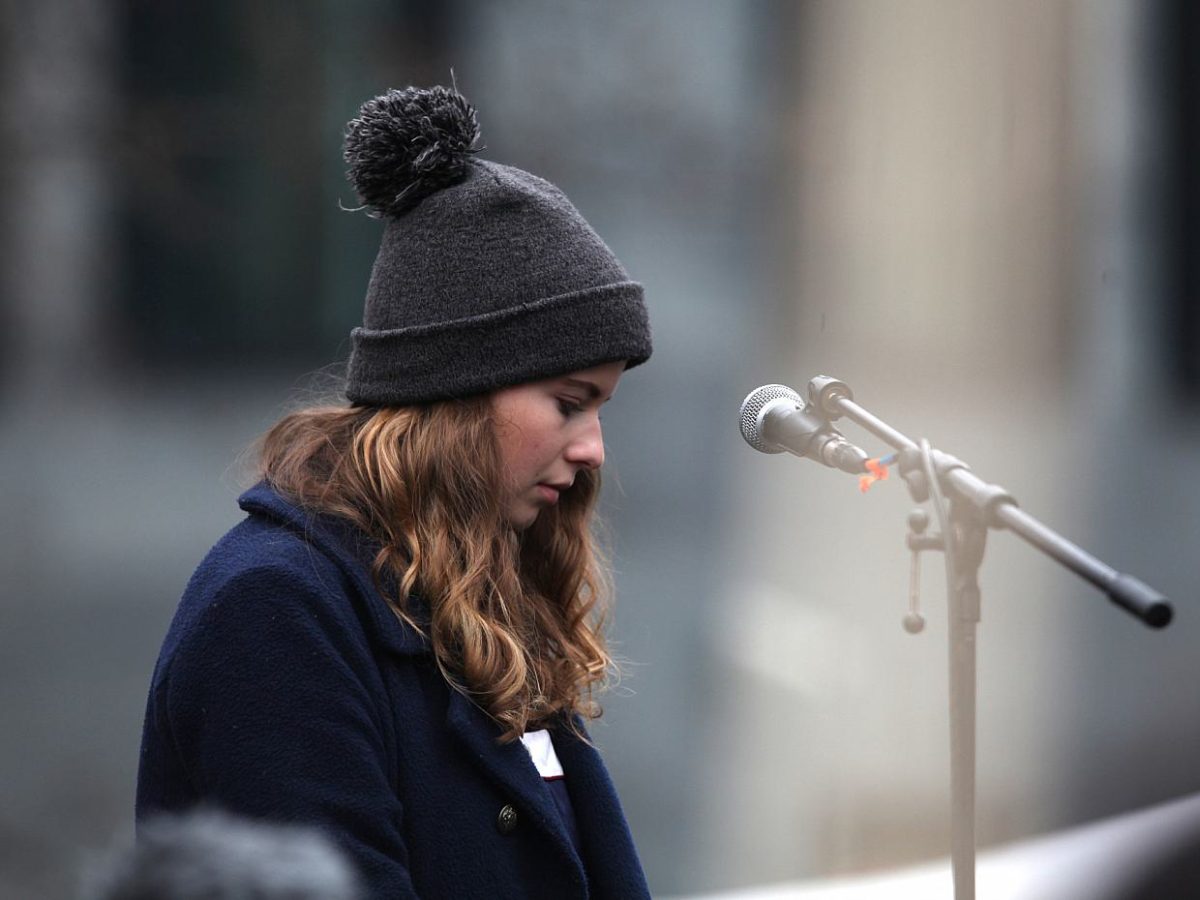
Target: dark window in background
<point>1175,56</point>
<point>235,251</point>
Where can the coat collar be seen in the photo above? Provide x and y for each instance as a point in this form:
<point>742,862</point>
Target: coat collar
<point>352,551</point>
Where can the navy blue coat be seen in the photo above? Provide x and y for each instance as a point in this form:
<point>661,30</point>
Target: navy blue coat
<point>288,690</point>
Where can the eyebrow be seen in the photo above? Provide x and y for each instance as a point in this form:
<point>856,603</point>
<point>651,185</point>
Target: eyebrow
<point>593,392</point>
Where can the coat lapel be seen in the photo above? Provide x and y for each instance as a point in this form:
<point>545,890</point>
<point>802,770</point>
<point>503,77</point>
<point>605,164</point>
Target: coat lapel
<point>509,766</point>
<point>613,864</point>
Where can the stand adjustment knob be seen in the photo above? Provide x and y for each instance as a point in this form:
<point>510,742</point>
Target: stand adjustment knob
<point>918,521</point>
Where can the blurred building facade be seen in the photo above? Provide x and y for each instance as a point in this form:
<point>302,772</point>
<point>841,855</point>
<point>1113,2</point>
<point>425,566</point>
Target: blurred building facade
<point>965,211</point>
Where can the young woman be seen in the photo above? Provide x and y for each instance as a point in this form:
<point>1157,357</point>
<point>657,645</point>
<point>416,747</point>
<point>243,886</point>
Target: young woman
<point>401,641</point>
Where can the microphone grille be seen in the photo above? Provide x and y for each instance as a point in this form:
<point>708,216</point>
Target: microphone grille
<point>753,405</point>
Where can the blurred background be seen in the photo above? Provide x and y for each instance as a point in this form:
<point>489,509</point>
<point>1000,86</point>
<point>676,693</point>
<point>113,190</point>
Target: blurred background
<point>983,216</point>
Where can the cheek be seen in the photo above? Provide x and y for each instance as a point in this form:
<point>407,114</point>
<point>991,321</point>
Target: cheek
<point>528,426</point>
<point>532,454</point>
<point>520,449</point>
<point>533,451</point>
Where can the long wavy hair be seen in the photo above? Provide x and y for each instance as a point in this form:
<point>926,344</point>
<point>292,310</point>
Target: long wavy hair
<point>515,618</point>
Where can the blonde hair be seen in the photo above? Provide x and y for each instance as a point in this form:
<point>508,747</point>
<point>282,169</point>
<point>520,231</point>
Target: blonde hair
<point>515,618</point>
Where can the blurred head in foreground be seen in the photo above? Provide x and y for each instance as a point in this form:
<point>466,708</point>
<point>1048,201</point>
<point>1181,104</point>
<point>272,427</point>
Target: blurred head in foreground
<point>212,856</point>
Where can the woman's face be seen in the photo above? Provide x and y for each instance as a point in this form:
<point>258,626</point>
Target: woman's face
<point>547,431</point>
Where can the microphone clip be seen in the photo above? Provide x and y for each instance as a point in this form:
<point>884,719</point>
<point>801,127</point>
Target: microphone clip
<point>806,433</point>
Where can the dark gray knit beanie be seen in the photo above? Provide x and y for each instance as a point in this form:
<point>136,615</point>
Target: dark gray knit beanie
<point>486,277</point>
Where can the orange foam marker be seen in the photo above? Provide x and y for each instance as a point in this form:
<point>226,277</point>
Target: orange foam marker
<point>878,473</point>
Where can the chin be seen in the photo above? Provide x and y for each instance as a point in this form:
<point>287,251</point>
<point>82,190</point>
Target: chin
<point>522,520</point>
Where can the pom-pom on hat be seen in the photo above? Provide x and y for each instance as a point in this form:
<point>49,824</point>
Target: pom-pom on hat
<point>486,276</point>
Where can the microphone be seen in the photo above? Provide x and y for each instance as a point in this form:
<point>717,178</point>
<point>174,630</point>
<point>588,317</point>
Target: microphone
<point>774,418</point>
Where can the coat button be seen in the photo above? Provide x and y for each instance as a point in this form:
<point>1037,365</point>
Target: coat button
<point>506,822</point>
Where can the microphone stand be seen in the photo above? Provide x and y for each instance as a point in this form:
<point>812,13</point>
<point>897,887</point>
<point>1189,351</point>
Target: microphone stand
<point>975,507</point>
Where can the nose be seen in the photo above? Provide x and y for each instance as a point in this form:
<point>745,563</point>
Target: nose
<point>586,449</point>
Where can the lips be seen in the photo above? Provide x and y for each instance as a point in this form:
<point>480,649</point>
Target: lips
<point>550,492</point>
